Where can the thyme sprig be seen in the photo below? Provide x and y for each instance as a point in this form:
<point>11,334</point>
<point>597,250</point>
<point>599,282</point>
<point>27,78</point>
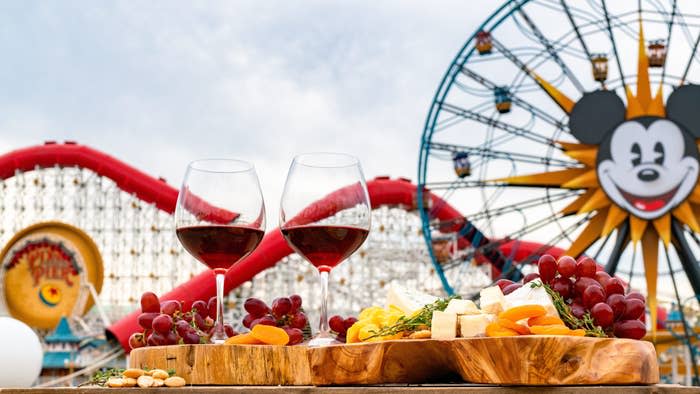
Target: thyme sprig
<point>586,322</point>
<point>99,378</point>
<point>419,320</point>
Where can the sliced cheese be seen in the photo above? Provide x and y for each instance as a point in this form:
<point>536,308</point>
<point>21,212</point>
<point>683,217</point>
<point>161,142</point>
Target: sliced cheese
<point>462,307</point>
<point>443,325</point>
<point>406,299</point>
<point>491,300</point>
<point>528,295</point>
<point>474,325</point>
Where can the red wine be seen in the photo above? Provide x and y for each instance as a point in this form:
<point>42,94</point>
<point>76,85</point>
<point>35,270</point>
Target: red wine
<point>325,246</point>
<point>219,247</point>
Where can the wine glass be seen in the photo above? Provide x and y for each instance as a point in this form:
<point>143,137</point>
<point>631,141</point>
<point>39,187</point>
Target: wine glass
<point>220,219</point>
<point>325,216</point>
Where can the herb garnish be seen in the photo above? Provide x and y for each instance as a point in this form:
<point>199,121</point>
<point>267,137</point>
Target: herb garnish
<point>586,323</point>
<point>422,318</point>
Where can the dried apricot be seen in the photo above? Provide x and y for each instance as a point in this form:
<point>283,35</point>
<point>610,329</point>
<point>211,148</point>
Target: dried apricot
<point>578,333</point>
<point>551,330</point>
<point>544,321</point>
<point>243,339</point>
<point>496,330</point>
<point>519,328</point>
<point>270,335</point>
<point>522,312</point>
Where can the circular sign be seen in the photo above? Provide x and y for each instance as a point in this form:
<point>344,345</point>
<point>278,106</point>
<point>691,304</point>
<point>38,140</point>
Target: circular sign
<point>45,271</point>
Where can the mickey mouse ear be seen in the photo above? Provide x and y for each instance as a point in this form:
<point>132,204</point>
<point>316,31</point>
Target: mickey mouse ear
<point>595,115</point>
<point>682,108</point>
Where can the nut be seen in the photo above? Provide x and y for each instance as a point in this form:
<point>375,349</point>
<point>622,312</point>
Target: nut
<point>158,382</point>
<point>115,382</point>
<point>133,373</point>
<point>128,382</point>
<point>144,381</point>
<point>174,381</point>
<point>422,334</point>
<point>159,374</point>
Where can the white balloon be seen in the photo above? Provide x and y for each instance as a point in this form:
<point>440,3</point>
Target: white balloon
<point>21,354</point>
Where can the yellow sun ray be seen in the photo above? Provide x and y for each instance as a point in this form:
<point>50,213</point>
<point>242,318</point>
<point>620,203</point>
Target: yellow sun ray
<point>553,178</point>
<point>663,228</point>
<point>616,215</point>
<point>560,98</point>
<point>597,201</point>
<point>585,156</point>
<point>589,234</point>
<point>643,104</point>
<point>569,146</point>
<point>650,251</point>
<point>685,214</point>
<point>637,227</point>
<point>588,179</point>
<point>577,203</point>
<point>695,195</point>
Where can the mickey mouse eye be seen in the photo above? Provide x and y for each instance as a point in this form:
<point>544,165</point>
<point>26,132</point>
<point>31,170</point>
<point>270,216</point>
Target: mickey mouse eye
<point>658,153</point>
<point>636,154</point>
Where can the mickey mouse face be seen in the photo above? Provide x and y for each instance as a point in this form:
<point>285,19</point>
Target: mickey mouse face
<point>648,171</point>
<point>646,165</point>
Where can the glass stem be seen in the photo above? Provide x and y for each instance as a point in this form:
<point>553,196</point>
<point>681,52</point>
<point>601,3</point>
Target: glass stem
<point>219,335</point>
<point>324,330</point>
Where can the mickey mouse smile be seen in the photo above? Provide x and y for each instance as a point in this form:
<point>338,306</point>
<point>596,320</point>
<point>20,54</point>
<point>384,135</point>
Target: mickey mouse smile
<point>649,203</point>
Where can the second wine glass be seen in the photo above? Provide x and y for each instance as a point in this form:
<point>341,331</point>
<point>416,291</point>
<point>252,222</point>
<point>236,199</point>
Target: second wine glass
<point>325,216</point>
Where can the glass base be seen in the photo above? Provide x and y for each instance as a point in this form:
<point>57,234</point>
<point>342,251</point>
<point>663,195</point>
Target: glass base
<point>320,341</point>
<point>218,341</point>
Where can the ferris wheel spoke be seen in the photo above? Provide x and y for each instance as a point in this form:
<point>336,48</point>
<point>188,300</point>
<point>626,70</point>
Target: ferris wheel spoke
<point>688,259</point>
<point>503,155</point>
<point>515,130</point>
<point>522,205</point>
<point>614,45</point>
<point>690,60</point>
<point>621,242</point>
<point>545,116</point>
<point>552,52</point>
<point>578,35</point>
<point>668,39</point>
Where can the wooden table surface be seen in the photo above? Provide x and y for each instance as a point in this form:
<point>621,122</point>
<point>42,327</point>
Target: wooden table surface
<point>384,389</point>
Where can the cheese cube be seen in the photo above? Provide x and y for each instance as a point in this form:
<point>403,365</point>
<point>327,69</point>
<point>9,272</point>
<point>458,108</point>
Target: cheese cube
<point>474,325</point>
<point>491,300</point>
<point>443,325</point>
<point>462,307</point>
<point>528,295</point>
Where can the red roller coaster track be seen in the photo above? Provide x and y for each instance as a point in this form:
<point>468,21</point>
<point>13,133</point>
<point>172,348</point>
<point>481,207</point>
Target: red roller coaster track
<point>382,190</point>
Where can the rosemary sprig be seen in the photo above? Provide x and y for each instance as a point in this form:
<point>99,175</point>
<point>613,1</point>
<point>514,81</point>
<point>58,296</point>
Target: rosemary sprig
<point>100,377</point>
<point>423,318</point>
<point>586,323</point>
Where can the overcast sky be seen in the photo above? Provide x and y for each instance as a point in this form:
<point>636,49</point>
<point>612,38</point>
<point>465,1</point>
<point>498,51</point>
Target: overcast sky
<point>160,83</point>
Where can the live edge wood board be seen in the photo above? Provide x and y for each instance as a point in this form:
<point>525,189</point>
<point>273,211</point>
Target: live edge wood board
<point>525,360</point>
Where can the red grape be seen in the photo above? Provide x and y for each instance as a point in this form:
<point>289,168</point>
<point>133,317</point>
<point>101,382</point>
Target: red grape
<point>200,307</point>
<point>182,327</point>
<point>298,320</point>
<point>156,339</point>
<point>593,295</point>
<point>602,277</point>
<point>211,308</point>
<point>633,329</point>
<point>145,320</point>
<point>586,268</point>
<point>637,295</point>
<point>187,316</point>
<point>617,304</point>
<point>583,283</point>
<point>162,324</point>
<point>256,307</point>
<point>281,306</point>
<point>150,303</point>
<point>348,322</point>
<point>295,335</point>
<point>547,267</point>
<point>512,287</point>
<point>562,286</point>
<point>191,338</point>
<point>603,315</point>
<point>566,266</point>
<point>578,310</point>
<point>530,277</point>
<point>247,320</point>
<point>503,283</point>
<point>170,338</point>
<point>336,324</point>
<point>614,286</point>
<point>634,308</point>
<point>170,307</point>
<point>265,320</point>
<point>296,302</point>
<point>136,340</point>
<point>200,322</point>
<point>230,332</point>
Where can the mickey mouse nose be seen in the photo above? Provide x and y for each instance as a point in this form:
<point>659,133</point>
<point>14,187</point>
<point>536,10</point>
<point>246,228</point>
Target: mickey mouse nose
<point>648,175</point>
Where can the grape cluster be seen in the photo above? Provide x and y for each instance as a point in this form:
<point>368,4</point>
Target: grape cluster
<point>592,292</point>
<point>168,323</point>
<point>286,313</point>
<point>340,326</point>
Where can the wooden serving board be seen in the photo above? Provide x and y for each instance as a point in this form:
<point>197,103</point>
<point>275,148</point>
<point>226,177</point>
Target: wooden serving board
<point>524,360</point>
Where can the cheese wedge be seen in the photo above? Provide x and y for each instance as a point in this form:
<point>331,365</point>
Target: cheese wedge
<point>443,325</point>
<point>462,307</point>
<point>491,300</point>
<point>527,295</point>
<point>406,299</point>
<point>474,325</point>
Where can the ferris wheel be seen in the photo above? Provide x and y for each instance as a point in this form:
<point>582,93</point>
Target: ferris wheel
<point>572,124</point>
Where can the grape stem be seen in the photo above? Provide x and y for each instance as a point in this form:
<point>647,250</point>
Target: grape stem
<point>586,323</point>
